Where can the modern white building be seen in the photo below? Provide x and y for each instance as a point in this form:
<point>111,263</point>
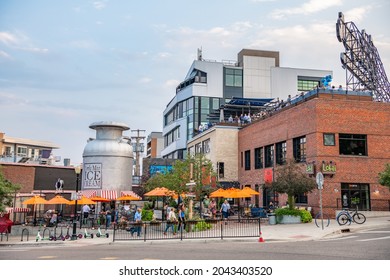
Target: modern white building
<point>209,85</point>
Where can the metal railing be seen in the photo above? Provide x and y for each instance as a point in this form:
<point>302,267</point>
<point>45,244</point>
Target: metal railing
<point>196,229</point>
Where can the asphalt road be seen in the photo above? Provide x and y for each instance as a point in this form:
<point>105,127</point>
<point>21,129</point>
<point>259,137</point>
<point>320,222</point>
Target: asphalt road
<point>363,245</point>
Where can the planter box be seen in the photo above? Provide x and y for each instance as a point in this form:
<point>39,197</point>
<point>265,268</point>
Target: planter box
<point>288,219</point>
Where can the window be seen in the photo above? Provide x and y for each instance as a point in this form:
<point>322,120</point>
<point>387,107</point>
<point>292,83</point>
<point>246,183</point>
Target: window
<point>281,153</point>
<point>247,160</point>
<point>191,151</point>
<point>206,146</point>
<point>198,148</point>
<point>353,144</point>
<point>329,139</point>
<point>22,151</point>
<point>259,158</point>
<point>233,77</point>
<point>221,169</point>
<point>304,84</point>
<point>299,146</point>
<point>269,156</point>
<point>301,199</point>
<point>354,194</point>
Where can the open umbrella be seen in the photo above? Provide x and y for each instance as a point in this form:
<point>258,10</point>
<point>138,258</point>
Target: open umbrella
<point>127,198</point>
<point>82,200</point>
<point>58,199</point>
<point>218,193</point>
<point>35,200</point>
<point>250,191</point>
<point>235,193</point>
<point>159,192</point>
<point>99,199</point>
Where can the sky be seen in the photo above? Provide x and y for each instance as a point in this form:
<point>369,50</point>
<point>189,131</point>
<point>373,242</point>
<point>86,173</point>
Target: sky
<point>67,64</point>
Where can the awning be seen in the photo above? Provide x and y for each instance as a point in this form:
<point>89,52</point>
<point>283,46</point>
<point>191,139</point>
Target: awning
<point>109,194</point>
<point>18,210</point>
<point>123,193</point>
<point>89,193</point>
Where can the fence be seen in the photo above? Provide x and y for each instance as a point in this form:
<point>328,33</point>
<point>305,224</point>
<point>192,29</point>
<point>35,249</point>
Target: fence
<point>199,229</point>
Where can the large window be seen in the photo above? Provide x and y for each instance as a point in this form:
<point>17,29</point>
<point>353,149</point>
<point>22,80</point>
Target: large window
<point>281,149</point>
<point>306,84</point>
<point>247,160</point>
<point>301,199</point>
<point>354,194</point>
<point>259,158</point>
<point>233,77</point>
<point>299,146</point>
<point>353,144</point>
<point>198,148</point>
<point>269,156</point>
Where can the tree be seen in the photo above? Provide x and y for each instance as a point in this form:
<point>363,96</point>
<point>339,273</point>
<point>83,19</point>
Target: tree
<point>7,192</point>
<point>384,177</point>
<point>291,180</point>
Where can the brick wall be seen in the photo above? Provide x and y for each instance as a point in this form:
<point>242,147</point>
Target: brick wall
<point>313,118</point>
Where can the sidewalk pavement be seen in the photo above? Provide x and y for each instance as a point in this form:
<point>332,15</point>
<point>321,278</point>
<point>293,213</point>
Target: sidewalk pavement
<point>269,233</point>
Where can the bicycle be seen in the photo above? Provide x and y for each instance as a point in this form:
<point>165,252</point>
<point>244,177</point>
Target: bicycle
<point>325,218</point>
<point>345,216</point>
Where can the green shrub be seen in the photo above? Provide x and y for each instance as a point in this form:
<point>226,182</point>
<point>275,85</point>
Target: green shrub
<point>147,215</point>
<point>202,225</point>
<point>306,216</point>
<point>287,211</point>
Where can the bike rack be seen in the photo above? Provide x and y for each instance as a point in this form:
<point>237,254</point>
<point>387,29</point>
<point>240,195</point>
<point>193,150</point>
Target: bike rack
<point>23,231</point>
<point>43,233</point>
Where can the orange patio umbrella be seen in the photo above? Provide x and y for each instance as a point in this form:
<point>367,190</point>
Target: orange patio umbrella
<point>250,191</point>
<point>128,198</point>
<point>159,192</point>
<point>58,199</point>
<point>235,193</point>
<point>36,199</point>
<point>82,200</point>
<point>99,199</point>
<point>218,193</point>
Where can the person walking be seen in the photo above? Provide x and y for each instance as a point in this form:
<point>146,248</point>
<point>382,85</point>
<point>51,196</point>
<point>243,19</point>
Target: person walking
<point>171,220</point>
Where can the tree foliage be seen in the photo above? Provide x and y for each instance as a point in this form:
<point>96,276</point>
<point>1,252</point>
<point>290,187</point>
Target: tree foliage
<point>7,192</point>
<point>180,175</point>
<point>291,180</point>
<point>384,177</point>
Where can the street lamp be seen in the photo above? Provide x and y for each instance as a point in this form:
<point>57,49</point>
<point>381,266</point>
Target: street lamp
<point>77,170</point>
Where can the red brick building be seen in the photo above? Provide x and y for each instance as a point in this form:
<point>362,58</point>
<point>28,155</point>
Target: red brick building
<point>345,136</point>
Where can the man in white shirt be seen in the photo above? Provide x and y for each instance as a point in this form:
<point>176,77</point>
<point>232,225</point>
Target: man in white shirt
<point>86,210</point>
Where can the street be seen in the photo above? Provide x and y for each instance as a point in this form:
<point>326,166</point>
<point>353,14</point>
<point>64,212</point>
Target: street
<point>363,245</point>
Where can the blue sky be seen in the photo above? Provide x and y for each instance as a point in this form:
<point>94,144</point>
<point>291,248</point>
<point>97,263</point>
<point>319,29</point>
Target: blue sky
<point>67,64</point>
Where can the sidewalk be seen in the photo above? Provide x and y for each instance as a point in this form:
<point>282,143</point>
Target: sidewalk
<point>275,233</point>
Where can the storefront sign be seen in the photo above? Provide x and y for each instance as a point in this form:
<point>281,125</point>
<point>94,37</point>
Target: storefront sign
<point>309,168</point>
<point>328,167</point>
<point>92,178</point>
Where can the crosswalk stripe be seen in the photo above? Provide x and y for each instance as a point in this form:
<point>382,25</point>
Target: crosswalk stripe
<point>378,238</point>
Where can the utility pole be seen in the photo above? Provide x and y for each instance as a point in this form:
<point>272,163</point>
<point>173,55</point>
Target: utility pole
<point>138,148</point>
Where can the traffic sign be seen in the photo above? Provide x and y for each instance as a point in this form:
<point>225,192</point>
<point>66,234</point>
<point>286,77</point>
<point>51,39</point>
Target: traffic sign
<point>320,180</point>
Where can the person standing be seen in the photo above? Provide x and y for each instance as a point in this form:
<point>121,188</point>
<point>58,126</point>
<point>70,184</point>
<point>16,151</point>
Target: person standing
<point>225,207</point>
<point>108,216</point>
<point>213,208</point>
<point>86,210</point>
<point>138,221</point>
<point>182,217</point>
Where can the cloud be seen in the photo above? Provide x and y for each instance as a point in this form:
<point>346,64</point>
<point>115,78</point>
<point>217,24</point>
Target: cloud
<point>357,14</point>
<point>311,7</point>
<point>145,80</point>
<point>4,54</point>
<point>8,38</point>
<point>99,5</point>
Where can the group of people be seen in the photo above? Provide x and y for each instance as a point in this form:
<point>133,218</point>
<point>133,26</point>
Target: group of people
<point>209,206</point>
